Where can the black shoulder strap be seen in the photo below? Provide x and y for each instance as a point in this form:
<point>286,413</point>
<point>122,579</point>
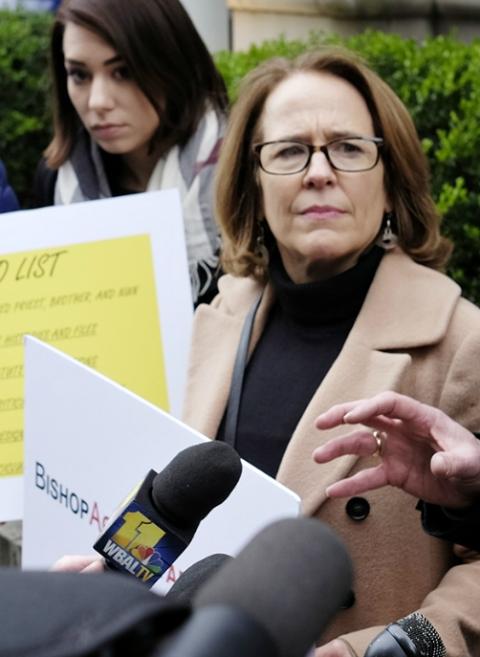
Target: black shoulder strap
<point>233,406</point>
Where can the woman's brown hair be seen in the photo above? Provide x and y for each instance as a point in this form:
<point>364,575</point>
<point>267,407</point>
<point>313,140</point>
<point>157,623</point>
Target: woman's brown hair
<point>407,176</point>
<point>164,55</point>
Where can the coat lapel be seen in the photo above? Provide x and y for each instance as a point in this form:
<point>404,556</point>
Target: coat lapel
<point>216,334</point>
<point>407,306</point>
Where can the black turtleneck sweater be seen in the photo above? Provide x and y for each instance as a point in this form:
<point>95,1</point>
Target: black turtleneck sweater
<point>305,332</point>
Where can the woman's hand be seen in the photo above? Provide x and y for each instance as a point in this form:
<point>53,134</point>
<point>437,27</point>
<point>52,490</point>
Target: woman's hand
<point>79,564</point>
<point>425,452</point>
<point>335,648</point>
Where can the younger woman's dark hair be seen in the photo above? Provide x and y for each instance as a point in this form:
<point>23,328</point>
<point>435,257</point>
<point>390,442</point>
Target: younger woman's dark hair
<point>164,55</point>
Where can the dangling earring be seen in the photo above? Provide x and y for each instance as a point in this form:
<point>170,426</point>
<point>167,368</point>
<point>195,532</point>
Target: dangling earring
<point>387,239</point>
<point>261,251</point>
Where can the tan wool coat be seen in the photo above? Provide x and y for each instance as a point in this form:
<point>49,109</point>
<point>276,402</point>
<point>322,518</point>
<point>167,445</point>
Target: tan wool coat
<point>416,335</point>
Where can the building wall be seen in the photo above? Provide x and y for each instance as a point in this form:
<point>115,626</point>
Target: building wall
<point>211,19</point>
<point>254,21</point>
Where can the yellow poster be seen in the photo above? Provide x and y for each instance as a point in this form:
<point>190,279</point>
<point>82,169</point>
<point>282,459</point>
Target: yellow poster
<point>96,302</point>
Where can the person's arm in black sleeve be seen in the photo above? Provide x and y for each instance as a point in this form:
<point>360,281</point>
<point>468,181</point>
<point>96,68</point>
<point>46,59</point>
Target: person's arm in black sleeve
<point>43,185</point>
<point>460,526</point>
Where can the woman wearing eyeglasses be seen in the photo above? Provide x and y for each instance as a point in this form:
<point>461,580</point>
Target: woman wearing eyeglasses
<point>332,245</point>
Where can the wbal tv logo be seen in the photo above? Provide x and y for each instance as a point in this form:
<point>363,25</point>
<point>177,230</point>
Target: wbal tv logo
<point>132,546</point>
<point>136,545</point>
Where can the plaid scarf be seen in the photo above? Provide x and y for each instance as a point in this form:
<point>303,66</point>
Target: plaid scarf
<point>190,169</point>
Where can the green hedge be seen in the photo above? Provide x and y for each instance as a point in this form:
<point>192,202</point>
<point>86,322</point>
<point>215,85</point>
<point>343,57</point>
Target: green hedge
<point>24,116</point>
<point>439,81</point>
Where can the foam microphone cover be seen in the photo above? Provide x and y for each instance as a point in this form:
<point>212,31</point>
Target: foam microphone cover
<point>159,518</point>
<point>290,579</point>
<point>190,581</point>
<point>81,615</point>
<point>197,479</point>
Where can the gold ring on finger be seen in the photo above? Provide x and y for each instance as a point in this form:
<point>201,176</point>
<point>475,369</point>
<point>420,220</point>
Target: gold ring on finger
<point>380,438</point>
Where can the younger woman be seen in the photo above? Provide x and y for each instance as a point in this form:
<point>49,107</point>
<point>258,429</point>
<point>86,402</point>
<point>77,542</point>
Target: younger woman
<point>138,106</point>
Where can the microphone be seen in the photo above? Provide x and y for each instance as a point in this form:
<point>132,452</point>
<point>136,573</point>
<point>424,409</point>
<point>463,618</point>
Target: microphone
<point>412,636</point>
<point>74,615</point>
<point>160,517</point>
<point>274,599</point>
<point>190,581</point>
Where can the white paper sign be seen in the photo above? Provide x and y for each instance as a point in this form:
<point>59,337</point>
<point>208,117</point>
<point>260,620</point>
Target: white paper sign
<point>88,442</point>
<point>106,281</point>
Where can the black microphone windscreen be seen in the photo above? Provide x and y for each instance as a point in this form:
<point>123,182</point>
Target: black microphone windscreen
<point>198,479</point>
<point>74,615</point>
<point>422,634</point>
<point>291,579</point>
<point>189,582</point>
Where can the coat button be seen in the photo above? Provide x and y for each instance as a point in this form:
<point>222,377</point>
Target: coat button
<point>349,600</point>
<point>357,508</point>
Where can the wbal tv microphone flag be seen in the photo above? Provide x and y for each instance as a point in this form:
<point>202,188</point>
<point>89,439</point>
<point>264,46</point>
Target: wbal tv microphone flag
<point>138,541</point>
<point>160,517</point>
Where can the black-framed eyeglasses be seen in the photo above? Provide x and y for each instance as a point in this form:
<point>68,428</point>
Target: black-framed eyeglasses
<point>282,158</point>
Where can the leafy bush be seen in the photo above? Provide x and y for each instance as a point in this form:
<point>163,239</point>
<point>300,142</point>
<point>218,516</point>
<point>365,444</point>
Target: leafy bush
<point>437,79</point>
<point>24,116</point>
<point>439,82</point>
